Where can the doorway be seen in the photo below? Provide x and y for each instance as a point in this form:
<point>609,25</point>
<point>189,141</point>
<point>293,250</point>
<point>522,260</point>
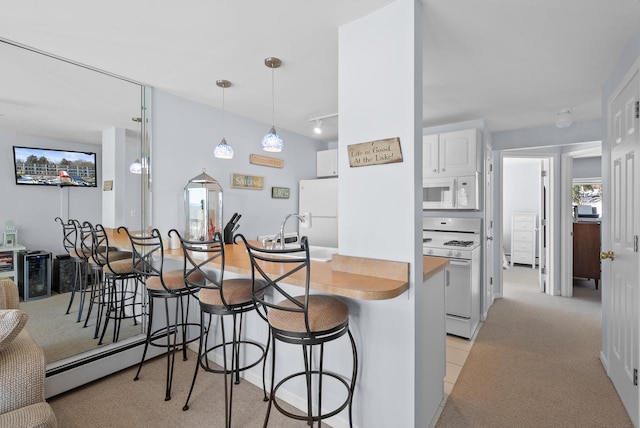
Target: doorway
<point>527,215</point>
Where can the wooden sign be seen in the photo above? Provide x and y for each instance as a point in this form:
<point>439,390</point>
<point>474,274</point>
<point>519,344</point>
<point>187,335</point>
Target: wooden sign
<point>375,152</point>
<point>280,192</point>
<point>108,185</point>
<point>266,161</point>
<point>241,181</point>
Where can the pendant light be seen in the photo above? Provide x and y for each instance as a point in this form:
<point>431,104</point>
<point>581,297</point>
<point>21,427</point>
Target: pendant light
<point>272,141</point>
<point>136,165</point>
<point>223,150</point>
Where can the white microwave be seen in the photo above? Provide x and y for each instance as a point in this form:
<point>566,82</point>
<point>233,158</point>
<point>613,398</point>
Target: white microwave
<point>450,193</point>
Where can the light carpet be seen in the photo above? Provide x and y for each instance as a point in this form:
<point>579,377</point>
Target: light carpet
<point>59,334</point>
<point>535,363</point>
<point>117,401</point>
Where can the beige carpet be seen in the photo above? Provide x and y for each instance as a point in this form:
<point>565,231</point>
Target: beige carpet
<point>117,401</point>
<point>535,363</point>
<point>59,334</point>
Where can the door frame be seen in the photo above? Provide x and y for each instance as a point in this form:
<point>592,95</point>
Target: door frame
<point>552,288</point>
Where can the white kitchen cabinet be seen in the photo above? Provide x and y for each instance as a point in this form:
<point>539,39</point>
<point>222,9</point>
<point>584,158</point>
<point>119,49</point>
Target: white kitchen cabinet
<point>450,154</point>
<point>327,163</point>
<point>523,239</point>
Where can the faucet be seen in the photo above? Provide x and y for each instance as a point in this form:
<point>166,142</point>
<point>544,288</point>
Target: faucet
<point>281,233</point>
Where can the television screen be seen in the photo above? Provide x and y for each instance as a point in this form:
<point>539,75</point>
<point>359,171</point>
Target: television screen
<point>48,167</point>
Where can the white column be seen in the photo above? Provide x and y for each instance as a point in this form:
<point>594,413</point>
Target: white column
<point>114,169</point>
<point>380,211</point>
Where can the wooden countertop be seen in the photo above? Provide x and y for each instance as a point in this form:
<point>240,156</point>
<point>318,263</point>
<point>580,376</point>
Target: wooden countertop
<point>342,276</point>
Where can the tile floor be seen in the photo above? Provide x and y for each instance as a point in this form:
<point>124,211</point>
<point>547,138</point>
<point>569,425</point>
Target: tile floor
<point>457,352</point>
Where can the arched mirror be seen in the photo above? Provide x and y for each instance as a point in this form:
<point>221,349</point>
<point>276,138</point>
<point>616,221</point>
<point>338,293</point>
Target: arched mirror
<point>53,103</point>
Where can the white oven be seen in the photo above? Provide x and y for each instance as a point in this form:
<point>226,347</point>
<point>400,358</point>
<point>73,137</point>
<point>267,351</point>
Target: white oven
<point>457,240</point>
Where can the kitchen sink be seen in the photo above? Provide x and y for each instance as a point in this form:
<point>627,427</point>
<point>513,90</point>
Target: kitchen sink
<point>316,253</point>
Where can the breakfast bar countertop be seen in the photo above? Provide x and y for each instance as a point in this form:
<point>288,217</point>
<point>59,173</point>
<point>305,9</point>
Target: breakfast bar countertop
<point>343,276</point>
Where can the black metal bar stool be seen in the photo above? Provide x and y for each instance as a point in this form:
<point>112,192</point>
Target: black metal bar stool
<point>220,297</point>
<point>114,295</point>
<point>306,320</point>
<point>148,261</point>
<point>69,239</point>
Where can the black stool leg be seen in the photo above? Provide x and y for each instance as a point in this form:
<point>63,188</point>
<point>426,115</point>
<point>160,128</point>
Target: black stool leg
<point>354,375</point>
<point>273,378</point>
<point>146,342</point>
<point>202,350</point>
<point>171,348</point>
<point>76,275</point>
<point>307,374</point>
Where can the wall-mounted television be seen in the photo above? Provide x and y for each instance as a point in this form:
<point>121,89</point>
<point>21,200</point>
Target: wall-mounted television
<point>51,167</point>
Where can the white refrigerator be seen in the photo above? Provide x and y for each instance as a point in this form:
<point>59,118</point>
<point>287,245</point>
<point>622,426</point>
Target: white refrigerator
<point>319,198</point>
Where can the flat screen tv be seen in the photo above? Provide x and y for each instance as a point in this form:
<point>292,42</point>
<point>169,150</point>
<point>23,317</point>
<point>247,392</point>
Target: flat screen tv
<point>50,167</point>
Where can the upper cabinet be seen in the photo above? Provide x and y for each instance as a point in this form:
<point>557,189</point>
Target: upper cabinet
<point>327,163</point>
<point>451,153</point>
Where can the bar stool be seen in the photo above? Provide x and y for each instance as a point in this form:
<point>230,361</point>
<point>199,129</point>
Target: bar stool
<point>148,261</point>
<point>306,320</point>
<point>220,297</point>
<point>112,293</point>
<point>69,239</point>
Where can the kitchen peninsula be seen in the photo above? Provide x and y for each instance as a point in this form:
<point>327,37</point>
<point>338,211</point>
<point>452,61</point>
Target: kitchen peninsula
<point>385,315</point>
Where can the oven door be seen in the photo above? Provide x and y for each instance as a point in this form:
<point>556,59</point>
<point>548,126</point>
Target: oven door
<point>438,193</point>
<point>458,288</point>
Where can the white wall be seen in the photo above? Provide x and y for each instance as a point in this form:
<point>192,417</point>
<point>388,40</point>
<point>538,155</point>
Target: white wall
<point>184,136</point>
<point>520,192</point>
<point>33,209</point>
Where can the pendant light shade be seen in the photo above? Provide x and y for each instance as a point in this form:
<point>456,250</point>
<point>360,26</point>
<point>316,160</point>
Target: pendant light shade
<point>223,150</point>
<point>272,142</point>
<point>135,167</point>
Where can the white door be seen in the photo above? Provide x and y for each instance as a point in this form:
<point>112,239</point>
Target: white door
<point>543,227</point>
<point>488,253</point>
<point>623,242</point>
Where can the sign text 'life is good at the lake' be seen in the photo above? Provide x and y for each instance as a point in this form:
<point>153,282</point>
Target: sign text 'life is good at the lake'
<point>375,152</point>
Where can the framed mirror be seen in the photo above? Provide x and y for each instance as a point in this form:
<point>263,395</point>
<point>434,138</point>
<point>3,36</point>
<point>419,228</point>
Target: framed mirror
<point>55,103</point>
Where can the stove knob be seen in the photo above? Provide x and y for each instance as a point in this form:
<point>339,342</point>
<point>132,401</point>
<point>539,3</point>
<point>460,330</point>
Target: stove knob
<point>458,254</point>
<point>430,251</point>
<point>450,253</point>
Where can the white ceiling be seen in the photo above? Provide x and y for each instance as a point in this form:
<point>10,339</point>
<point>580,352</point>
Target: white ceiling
<point>514,63</point>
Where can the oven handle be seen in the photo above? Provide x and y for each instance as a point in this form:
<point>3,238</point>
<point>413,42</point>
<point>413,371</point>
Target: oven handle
<point>466,263</point>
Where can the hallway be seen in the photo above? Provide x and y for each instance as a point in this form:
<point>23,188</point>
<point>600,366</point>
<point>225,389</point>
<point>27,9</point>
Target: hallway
<point>535,363</point>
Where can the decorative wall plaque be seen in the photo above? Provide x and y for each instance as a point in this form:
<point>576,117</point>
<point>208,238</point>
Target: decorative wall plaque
<point>266,161</point>
<point>242,181</point>
<point>280,192</point>
<point>375,152</point>
<point>108,185</point>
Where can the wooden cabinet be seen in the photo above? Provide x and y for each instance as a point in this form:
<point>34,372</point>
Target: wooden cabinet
<point>451,153</point>
<point>523,239</point>
<point>586,250</point>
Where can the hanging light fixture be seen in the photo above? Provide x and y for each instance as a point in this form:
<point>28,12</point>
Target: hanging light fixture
<point>564,118</point>
<point>136,165</point>
<point>223,150</point>
<point>272,141</point>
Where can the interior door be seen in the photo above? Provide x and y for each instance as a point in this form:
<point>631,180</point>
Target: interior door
<point>488,253</point>
<point>543,227</point>
<point>623,245</point>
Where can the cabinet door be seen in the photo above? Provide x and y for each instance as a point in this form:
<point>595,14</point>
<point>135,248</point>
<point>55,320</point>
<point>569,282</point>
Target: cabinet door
<point>327,163</point>
<point>458,152</point>
<point>430,157</point>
